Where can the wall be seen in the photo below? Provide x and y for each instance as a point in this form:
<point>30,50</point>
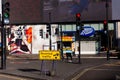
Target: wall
<point>26,39</point>
<point>87,47</point>
<point>115,9</point>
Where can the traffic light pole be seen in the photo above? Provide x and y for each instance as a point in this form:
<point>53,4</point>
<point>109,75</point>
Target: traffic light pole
<point>50,43</point>
<point>108,49</point>
<point>61,43</point>
<point>3,41</point>
<point>78,31</point>
<point>3,48</point>
<point>79,56</point>
<point>79,41</point>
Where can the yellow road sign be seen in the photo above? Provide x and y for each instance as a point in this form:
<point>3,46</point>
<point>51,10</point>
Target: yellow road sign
<point>49,55</point>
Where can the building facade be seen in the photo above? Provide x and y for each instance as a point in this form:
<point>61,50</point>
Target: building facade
<point>36,15</point>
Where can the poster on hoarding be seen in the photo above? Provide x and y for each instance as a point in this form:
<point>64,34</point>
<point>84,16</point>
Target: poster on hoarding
<point>20,39</point>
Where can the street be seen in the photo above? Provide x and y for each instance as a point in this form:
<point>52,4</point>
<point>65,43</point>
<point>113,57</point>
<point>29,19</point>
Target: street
<point>108,71</point>
<point>10,77</point>
<point>88,69</point>
<point>59,40</point>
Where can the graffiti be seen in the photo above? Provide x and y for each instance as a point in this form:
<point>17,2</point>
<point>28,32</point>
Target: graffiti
<point>20,40</point>
<point>29,34</point>
<point>26,39</point>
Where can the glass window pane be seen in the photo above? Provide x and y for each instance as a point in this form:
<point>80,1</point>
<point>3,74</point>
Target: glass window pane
<point>68,27</point>
<point>74,27</point>
<point>110,26</point>
<point>63,27</point>
<point>95,26</point>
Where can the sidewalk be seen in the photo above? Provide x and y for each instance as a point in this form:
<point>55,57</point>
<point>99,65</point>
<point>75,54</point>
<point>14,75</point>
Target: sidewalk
<point>29,66</point>
<point>36,56</point>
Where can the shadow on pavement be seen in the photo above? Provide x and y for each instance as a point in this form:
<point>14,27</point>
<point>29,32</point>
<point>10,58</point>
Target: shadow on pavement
<point>29,70</point>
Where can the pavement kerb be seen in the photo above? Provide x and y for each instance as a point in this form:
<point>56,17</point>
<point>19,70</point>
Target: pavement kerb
<point>23,56</point>
<point>36,56</point>
<point>21,76</point>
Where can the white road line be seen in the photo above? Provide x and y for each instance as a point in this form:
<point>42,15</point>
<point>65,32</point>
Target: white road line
<point>106,70</point>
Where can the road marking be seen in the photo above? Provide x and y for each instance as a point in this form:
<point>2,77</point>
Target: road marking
<point>106,70</point>
<point>94,57</point>
<point>84,71</point>
<point>12,77</point>
<point>114,64</point>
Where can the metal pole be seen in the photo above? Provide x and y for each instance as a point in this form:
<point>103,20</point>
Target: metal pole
<point>50,45</point>
<point>50,41</point>
<point>79,40</point>
<point>3,42</point>
<point>52,73</point>
<point>107,5</point>
<point>61,44</point>
<point>79,56</point>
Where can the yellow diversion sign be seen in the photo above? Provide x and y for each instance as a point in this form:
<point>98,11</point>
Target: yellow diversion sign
<point>49,55</point>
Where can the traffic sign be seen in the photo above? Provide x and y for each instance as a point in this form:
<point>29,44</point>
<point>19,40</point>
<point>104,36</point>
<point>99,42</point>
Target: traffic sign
<point>49,55</point>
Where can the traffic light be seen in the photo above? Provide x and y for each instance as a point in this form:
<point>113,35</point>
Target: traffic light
<point>48,29</point>
<point>41,33</point>
<point>105,25</point>
<point>6,12</point>
<point>79,24</point>
<point>78,19</point>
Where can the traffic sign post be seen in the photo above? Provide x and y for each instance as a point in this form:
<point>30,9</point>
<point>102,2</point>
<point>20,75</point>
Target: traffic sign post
<point>51,55</point>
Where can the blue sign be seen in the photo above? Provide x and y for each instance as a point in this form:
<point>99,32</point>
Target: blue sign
<point>88,31</point>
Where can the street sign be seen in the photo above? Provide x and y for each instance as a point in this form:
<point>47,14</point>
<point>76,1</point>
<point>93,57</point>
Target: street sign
<point>67,38</point>
<point>49,55</point>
